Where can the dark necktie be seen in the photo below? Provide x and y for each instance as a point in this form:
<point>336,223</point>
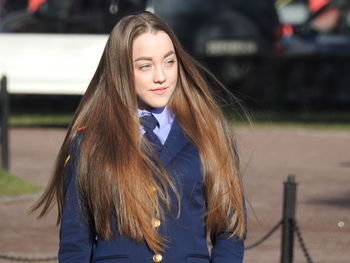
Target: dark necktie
<point>149,122</point>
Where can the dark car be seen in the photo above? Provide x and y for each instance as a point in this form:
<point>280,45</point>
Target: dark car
<point>226,35</point>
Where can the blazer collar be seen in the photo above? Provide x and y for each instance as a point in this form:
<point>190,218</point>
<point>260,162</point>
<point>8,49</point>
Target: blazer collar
<point>173,145</point>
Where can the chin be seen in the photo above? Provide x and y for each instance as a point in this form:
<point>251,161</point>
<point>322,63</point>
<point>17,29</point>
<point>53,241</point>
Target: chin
<point>153,103</point>
<point>157,104</point>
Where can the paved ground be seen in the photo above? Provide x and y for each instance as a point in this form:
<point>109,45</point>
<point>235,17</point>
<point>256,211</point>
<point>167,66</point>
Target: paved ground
<point>320,161</point>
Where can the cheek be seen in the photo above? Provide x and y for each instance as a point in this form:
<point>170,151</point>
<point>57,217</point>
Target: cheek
<point>141,82</point>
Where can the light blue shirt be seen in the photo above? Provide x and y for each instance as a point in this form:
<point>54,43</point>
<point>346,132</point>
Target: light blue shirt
<point>164,117</point>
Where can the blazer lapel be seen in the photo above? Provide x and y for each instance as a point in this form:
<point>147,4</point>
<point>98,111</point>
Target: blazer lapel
<point>173,145</point>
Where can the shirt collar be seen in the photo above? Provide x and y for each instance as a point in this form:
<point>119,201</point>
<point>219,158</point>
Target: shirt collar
<point>163,115</point>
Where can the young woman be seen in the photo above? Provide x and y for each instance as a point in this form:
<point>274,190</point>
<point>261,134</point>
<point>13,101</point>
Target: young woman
<point>148,168</point>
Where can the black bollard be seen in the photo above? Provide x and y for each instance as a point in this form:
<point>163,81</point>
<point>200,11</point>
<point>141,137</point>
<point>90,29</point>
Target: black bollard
<point>4,113</point>
<point>289,204</point>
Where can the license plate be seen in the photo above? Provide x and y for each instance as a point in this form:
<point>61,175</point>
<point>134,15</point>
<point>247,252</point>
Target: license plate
<point>230,47</point>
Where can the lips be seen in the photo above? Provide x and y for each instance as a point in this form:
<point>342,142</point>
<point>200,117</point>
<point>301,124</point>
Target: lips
<point>159,91</point>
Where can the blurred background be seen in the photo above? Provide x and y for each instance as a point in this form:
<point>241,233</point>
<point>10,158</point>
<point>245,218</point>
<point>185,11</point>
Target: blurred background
<point>274,55</point>
<point>287,61</point>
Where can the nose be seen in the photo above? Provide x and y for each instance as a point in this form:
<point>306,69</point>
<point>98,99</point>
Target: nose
<point>159,75</point>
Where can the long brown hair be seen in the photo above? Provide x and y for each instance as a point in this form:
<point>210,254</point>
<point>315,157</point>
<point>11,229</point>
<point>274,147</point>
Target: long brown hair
<point>111,147</point>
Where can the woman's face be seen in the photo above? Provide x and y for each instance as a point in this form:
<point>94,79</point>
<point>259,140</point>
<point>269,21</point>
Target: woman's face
<point>155,69</point>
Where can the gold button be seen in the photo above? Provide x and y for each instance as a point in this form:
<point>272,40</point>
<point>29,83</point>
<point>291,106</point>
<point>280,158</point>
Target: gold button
<point>153,189</point>
<point>157,258</point>
<point>155,222</point>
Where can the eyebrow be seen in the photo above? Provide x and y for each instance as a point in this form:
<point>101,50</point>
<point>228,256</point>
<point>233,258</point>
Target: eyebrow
<point>149,58</point>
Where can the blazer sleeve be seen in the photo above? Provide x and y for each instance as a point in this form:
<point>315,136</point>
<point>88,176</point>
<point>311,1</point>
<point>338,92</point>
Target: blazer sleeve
<point>76,237</point>
<point>227,250</point>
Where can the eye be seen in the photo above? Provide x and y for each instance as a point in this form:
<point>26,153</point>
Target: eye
<point>145,67</point>
<point>170,62</point>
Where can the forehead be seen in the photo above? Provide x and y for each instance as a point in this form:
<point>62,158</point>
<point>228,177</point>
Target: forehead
<point>152,44</point>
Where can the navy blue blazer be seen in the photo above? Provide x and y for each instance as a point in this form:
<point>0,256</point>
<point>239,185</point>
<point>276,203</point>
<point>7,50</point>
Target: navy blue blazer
<point>186,235</point>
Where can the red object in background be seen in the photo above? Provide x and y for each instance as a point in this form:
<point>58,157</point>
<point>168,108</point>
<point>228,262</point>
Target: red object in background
<point>284,33</point>
<point>317,4</point>
<point>287,30</point>
<point>33,5</point>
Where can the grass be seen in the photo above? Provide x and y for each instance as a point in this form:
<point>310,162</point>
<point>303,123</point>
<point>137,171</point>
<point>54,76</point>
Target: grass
<point>11,185</point>
<point>42,120</point>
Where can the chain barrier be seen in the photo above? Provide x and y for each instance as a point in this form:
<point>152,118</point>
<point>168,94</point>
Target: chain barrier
<point>261,240</point>
<point>299,238</point>
<point>302,243</point>
<point>28,259</point>
<point>256,243</point>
